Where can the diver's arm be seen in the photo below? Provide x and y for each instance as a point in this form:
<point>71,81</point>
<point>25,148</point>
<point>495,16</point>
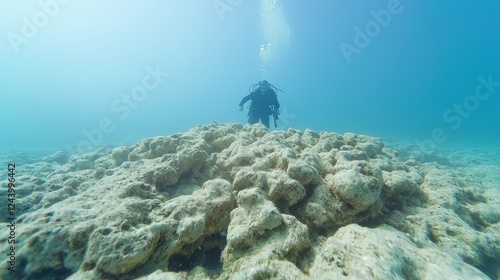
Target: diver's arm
<point>245,99</point>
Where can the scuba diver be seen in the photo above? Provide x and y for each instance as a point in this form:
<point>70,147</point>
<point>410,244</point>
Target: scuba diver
<point>264,103</point>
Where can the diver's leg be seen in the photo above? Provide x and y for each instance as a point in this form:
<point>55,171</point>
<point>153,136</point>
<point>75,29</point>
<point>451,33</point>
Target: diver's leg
<point>265,120</point>
<point>253,120</point>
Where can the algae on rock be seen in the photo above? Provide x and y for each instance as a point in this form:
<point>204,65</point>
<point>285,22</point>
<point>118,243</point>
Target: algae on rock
<point>240,202</point>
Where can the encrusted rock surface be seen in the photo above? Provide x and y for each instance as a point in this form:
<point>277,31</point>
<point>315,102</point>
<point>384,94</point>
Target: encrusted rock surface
<point>224,201</point>
<point>385,253</point>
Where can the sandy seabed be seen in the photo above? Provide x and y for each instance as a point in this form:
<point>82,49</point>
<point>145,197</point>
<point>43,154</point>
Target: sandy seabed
<point>225,201</point>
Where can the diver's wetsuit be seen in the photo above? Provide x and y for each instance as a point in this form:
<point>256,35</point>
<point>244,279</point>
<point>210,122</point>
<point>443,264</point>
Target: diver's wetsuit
<point>262,105</point>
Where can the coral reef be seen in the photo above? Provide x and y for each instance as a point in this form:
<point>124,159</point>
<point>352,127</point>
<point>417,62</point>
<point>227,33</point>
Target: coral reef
<point>225,201</point>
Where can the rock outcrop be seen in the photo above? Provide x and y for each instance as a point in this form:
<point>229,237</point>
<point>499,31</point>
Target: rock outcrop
<point>230,202</point>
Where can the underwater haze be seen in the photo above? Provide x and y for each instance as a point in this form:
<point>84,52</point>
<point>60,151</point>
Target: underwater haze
<point>127,155</point>
<point>79,74</point>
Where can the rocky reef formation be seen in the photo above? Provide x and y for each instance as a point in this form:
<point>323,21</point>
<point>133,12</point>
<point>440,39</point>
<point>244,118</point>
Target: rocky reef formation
<point>224,201</point>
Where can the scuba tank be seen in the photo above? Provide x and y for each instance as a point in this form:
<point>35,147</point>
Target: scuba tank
<point>253,87</point>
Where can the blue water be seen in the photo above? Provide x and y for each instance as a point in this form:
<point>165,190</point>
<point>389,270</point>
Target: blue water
<point>69,69</point>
